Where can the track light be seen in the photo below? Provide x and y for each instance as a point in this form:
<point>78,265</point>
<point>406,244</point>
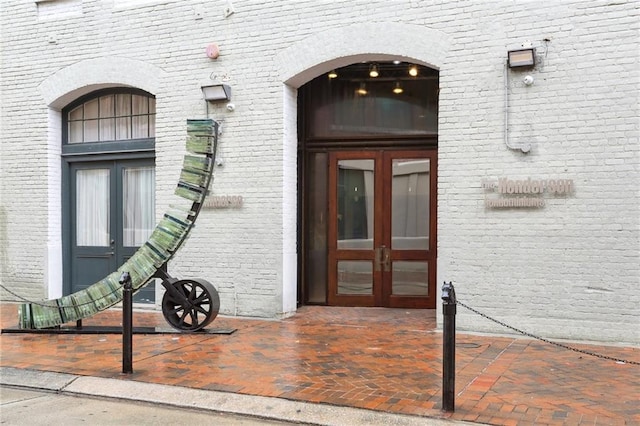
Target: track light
<point>397,88</point>
<point>373,71</point>
<point>413,71</point>
<point>332,74</point>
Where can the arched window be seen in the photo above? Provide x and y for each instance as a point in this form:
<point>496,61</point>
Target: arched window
<point>120,116</point>
<point>399,100</point>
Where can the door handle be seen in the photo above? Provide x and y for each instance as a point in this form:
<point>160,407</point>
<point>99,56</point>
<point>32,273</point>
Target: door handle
<point>110,253</point>
<point>386,258</point>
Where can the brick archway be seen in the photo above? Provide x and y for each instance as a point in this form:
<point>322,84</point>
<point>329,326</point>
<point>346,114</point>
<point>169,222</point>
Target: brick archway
<point>325,50</point>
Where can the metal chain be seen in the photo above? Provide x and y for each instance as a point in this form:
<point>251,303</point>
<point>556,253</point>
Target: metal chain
<point>45,305</point>
<point>542,339</point>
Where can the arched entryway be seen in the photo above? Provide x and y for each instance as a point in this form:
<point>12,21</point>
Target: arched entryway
<point>59,90</point>
<point>367,186</point>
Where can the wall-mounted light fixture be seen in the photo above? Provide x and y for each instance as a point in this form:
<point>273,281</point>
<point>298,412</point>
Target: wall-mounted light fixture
<point>362,89</point>
<point>413,71</point>
<point>332,74</point>
<point>521,58</point>
<point>397,88</point>
<point>216,92</point>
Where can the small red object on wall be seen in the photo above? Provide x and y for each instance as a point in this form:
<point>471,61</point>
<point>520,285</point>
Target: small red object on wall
<point>213,51</point>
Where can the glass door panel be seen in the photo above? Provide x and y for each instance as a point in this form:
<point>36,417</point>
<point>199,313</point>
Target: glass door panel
<point>410,193</point>
<point>355,277</point>
<point>112,206</point>
<point>93,225</point>
<point>410,278</point>
<point>138,205</point>
<point>136,219</point>
<point>355,204</point>
<point>410,204</point>
<point>315,238</point>
<point>353,229</point>
<point>381,235</point>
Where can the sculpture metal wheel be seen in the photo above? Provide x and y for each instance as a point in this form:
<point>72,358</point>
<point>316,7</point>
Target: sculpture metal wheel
<point>191,304</point>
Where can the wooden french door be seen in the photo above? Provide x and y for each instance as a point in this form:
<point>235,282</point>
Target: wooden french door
<point>112,213</point>
<point>382,228</point>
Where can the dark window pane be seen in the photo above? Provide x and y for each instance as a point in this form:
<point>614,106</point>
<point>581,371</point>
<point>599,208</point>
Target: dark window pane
<point>316,265</point>
<point>353,104</point>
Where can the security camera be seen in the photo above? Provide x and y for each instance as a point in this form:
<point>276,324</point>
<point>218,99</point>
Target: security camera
<point>231,107</point>
<point>528,80</point>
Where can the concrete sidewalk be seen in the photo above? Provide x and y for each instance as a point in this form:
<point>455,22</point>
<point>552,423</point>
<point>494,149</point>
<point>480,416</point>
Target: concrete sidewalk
<point>45,408</point>
<point>191,403</point>
<point>382,363</point>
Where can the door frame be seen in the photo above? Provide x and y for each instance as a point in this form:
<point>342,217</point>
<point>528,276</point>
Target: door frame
<point>67,162</point>
<point>333,252</point>
<point>104,257</point>
<point>431,253</point>
<point>382,246</point>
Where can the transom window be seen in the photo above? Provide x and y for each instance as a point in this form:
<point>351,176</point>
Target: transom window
<point>112,117</point>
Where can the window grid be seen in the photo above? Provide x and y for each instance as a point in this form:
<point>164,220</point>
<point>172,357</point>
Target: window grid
<point>112,117</point>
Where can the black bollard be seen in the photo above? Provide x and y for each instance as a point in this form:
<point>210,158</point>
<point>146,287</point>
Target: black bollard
<point>448,347</point>
<point>127,323</point>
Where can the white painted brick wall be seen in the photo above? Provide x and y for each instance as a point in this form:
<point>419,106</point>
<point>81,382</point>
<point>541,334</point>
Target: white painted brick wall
<point>556,271</point>
<point>568,270</point>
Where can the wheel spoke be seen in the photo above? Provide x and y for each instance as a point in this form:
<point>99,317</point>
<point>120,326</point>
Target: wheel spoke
<point>204,297</point>
<point>194,317</point>
<point>192,293</point>
<point>200,309</point>
<point>184,316</point>
<point>176,309</point>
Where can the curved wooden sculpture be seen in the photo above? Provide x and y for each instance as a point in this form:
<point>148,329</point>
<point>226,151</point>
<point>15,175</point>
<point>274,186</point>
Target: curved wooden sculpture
<point>188,304</point>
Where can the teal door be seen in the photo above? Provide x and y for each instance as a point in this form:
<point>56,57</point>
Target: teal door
<point>112,213</point>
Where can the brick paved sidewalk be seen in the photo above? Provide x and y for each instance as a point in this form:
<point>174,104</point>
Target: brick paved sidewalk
<point>373,358</point>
